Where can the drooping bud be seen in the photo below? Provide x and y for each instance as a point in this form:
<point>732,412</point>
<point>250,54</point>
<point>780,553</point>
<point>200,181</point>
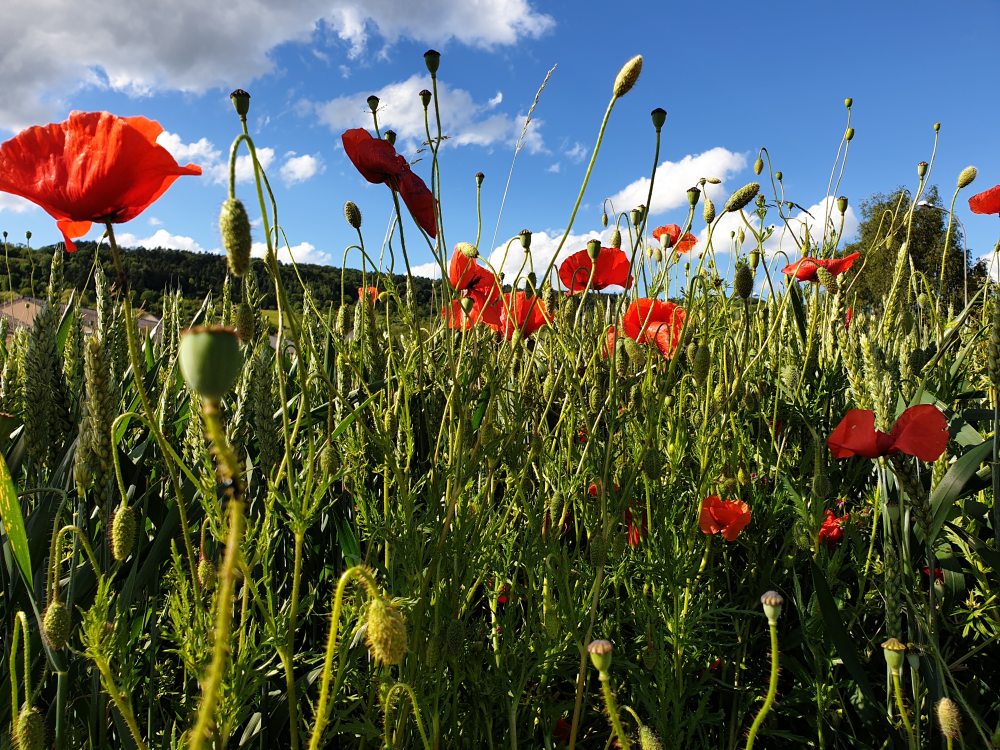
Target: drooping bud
<point>922,169</point>
<point>627,76</point>
<point>246,323</point>
<point>743,281</point>
<point>467,249</point>
<point>949,718</point>
<point>600,656</point>
<point>432,59</point>
<point>207,576</point>
<point>754,259</point>
<point>29,734</point>
<point>390,136</point>
<point>425,98</point>
<point>604,218</point>
<point>648,740</point>
<point>659,116</point>
<point>373,103</point>
<point>123,529</point>
<point>241,102</point>
<point>758,166</point>
<point>771,601</point>
<point>894,653</point>
<point>210,360</point>
<point>966,176</point>
<point>849,135</point>
<point>742,197</point>
<point>616,238</point>
<point>842,204</point>
<point>693,195</point>
<point>593,249</point>
<point>353,214</point>
<point>234,226</point>
<point>700,364</point>
<point>525,236</point>
<point>708,210</point>
<point>386,635</point>
<point>56,624</point>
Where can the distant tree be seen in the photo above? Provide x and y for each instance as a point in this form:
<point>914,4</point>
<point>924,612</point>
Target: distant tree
<point>885,219</point>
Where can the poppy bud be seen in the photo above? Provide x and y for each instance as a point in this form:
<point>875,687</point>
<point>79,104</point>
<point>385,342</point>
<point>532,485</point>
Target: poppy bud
<point>701,362</point>
<point>742,197</point>
<point>921,169</point>
<point>659,116</point>
<point>637,215</point>
<point>373,103</point>
<point>56,625</point>
<point>657,254</point>
<point>467,249</point>
<point>758,166</point>
<point>965,178</point>
<point>246,323</point>
<point>771,601</point>
<point>479,179</point>
<point>29,734</point>
<point>27,235</point>
<point>525,235</point>
<point>241,101</point>
<point>593,249</point>
<point>425,98</point>
<point>530,282</point>
<point>894,651</point>
<point>648,740</point>
<point>848,102</point>
<point>741,235</point>
<point>353,214</point>
<point>743,281</point>
<point>600,656</point>
<point>210,360</point>
<point>432,59</point>
<point>842,204</point>
<point>598,548</point>
<point>693,194</point>
<point>123,528</point>
<point>708,210</point>
<point>949,718</point>
<point>937,127</point>
<point>616,238</point>
<point>207,576</point>
<point>604,218</point>
<point>712,181</point>
<point>849,135</point>
<point>390,135</point>
<point>778,176</point>
<point>828,280</point>
<point>627,76</point>
<point>386,635</point>
<point>234,226</point>
<point>467,303</point>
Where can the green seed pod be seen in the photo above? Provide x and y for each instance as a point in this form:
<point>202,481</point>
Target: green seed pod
<point>693,195</point>
<point>842,204</point>
<point>894,653</point>
<point>743,281</point>
<point>849,135</point>
<point>56,625</point>
<point>390,136</point>
<point>241,102</point>
<point>386,636</point>
<point>627,76</point>
<point>771,601</point>
<point>123,530</point>
<point>593,249</point>
<point>207,576</point>
<point>758,166</point>
<point>742,197</point>
<point>29,733</point>
<point>922,169</point>
<point>525,235</point>
<point>600,656</point>
<point>210,360</point>
<point>353,214</point>
<point>754,259</point>
<point>708,210</point>
<point>659,116</point>
<point>432,59</point>
<point>848,102</point>
<point>966,177</point>
<point>234,225</point>
<point>373,103</point>
<point>778,175</point>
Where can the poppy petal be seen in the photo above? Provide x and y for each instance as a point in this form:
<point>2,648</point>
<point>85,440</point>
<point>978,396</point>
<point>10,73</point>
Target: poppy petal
<point>419,200</point>
<point>987,202</point>
<point>921,431</point>
<point>72,230</point>
<point>856,436</point>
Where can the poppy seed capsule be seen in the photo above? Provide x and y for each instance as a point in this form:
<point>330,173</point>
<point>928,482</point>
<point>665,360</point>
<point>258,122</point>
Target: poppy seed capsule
<point>693,195</point>
<point>937,127</point>
<point>848,102</point>
<point>849,135</point>
<point>778,176</point>
<point>525,235</point>
<point>754,259</point>
<point>234,226</point>
<point>743,281</point>
<point>390,136</point>
<point>600,656</point>
<point>949,718</point>
<point>842,204</point>
<point>479,179</point>
<point>659,116</point>
<point>758,166</point>
<point>966,177</point>
<point>425,98</point>
<point>123,528</point>
<point>386,635</point>
<point>894,652</point>
<point>771,601</point>
<point>210,360</point>
<point>353,214</point>
<point>742,197</point>
<point>56,624</point>
<point>372,103</point>
<point>432,59</point>
<point>922,169</point>
<point>29,734</point>
<point>241,102</point>
<point>627,76</point>
<point>593,249</point>
<point>467,303</point>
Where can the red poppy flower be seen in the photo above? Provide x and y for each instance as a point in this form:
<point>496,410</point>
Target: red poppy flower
<point>848,317</point>
<point>938,573</point>
<point>371,291</point>
<point>466,275</point>
<point>635,532</point>
<point>672,232</point>
<point>805,269</point>
<point>609,348</point>
<point>652,321</point>
<point>832,530</point>
<point>611,269</point>
<point>987,202</point>
<point>728,517</point>
<point>94,167</point>
<point>521,312</point>
<point>378,162</point>
<point>562,730</point>
<point>920,431</point>
<point>455,316</point>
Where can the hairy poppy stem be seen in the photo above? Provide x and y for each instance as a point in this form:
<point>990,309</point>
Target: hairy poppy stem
<point>402,687</point>
<point>772,688</point>
<point>897,689</point>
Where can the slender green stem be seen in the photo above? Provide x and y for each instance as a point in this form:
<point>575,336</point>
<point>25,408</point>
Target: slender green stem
<point>121,701</point>
<point>897,688</point>
<point>404,688</point>
<point>772,688</point>
<point>612,708</point>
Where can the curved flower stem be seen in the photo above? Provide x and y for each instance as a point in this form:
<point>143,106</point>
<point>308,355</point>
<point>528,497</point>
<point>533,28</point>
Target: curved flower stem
<point>404,688</point>
<point>57,547</point>
<point>612,708</point>
<point>358,571</point>
<point>772,688</point>
<point>20,628</point>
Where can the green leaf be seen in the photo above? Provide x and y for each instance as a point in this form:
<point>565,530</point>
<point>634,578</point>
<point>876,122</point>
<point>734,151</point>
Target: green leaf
<point>795,294</point>
<point>480,411</point>
<point>13,521</point>
<point>66,323</point>
<point>950,488</point>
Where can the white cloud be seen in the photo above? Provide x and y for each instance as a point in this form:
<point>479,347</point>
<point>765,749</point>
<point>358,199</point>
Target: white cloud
<point>496,100</point>
<point>298,169</point>
<point>554,168</point>
<point>160,238</point>
<point>430,270</point>
<point>674,178</point>
<point>463,120</point>
<point>304,252</point>
<point>576,152</point>
<point>214,164</point>
<point>154,222</point>
<point>992,265</point>
<point>194,46</point>
<point>16,204</point>
<point>511,260</point>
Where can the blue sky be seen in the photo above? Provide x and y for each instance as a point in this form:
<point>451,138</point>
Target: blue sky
<point>732,77</point>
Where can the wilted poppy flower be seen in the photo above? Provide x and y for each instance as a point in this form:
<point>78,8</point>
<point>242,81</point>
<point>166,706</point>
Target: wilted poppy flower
<point>634,530</point>
<point>726,517</point>
<point>672,233</point>
<point>370,291</point>
<point>987,202</point>
<point>378,162</point>
<point>920,431</point>
<point>610,269</point>
<point>805,269</point>
<point>832,530</point>
<point>94,167</point>
<point>652,321</point>
<point>520,312</point>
